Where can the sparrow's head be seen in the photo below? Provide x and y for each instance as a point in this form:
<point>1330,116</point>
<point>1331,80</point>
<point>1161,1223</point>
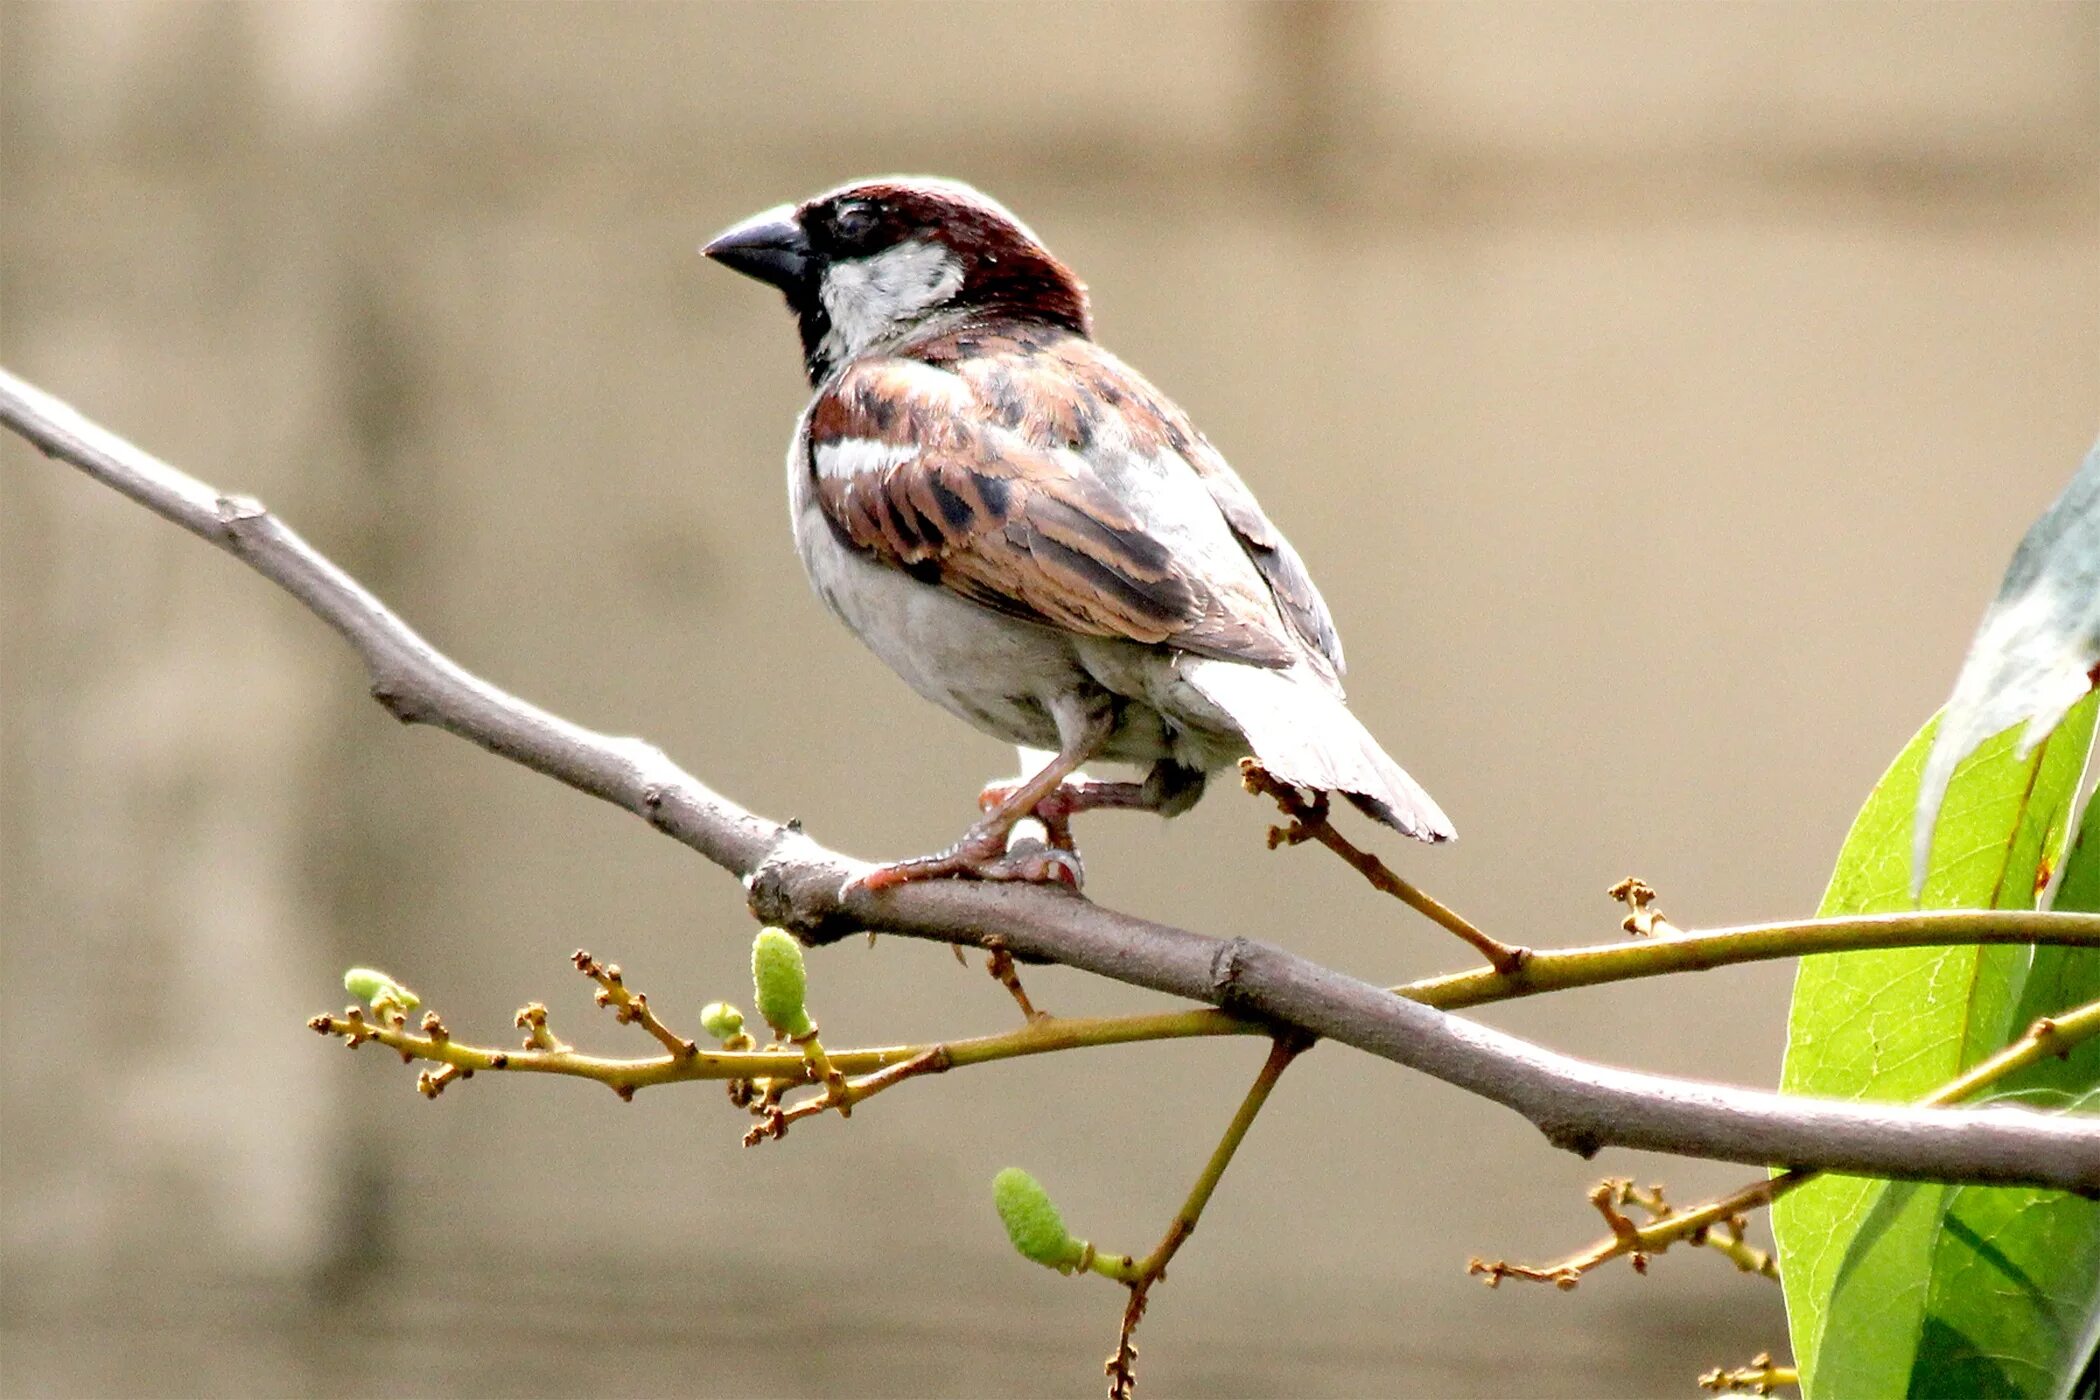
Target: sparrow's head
<point>875,259</point>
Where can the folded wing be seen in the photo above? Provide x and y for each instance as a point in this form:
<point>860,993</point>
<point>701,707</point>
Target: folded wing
<point>917,470</point>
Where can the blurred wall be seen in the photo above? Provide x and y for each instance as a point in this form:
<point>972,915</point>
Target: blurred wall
<point>1656,391</point>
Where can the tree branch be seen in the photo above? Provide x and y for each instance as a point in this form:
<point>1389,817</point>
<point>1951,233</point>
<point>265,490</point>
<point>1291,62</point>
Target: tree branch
<point>792,880</point>
<point>1557,969</point>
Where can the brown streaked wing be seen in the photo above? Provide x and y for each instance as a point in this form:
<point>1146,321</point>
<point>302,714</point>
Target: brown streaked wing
<point>912,471</point>
<point>1070,383</point>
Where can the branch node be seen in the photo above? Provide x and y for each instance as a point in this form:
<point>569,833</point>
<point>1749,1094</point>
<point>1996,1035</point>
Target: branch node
<point>236,513</point>
<point>1001,966</point>
<point>1227,965</point>
<point>532,1019</point>
<point>431,1083</point>
<point>805,909</point>
<point>1641,920</point>
<point>1577,1138</point>
<point>396,699</point>
<point>1606,1196</point>
<point>2049,1039</point>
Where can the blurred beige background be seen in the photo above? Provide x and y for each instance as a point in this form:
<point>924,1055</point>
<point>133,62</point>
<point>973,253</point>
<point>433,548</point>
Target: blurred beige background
<point>1656,391</point>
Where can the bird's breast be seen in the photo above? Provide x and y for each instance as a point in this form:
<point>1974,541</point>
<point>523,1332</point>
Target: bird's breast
<point>994,672</point>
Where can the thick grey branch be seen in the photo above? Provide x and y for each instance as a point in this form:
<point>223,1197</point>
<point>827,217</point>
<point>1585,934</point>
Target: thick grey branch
<point>794,881</point>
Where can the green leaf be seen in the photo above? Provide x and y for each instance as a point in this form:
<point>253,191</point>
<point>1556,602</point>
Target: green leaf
<point>2084,1384</point>
<point>1905,1289</point>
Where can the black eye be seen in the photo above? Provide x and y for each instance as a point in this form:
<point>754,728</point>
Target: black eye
<point>855,221</point>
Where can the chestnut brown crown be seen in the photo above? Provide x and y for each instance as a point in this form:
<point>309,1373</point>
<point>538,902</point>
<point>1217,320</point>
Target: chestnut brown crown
<point>871,260</point>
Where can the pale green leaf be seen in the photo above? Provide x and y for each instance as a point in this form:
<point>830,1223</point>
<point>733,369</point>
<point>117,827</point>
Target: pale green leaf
<point>1875,1275</point>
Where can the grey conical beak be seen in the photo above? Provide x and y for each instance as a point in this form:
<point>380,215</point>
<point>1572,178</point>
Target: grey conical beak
<point>770,247</point>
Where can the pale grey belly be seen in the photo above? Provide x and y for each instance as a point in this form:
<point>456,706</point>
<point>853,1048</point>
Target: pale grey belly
<point>1001,675</point>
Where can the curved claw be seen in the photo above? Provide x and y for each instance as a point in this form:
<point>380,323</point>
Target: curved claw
<point>1042,864</point>
<point>1029,861</point>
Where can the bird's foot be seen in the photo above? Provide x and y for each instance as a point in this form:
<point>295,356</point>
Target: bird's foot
<point>1068,799</point>
<point>981,855</point>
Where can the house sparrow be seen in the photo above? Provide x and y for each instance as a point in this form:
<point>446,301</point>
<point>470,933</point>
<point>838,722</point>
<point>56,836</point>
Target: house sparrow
<point>1033,536</point>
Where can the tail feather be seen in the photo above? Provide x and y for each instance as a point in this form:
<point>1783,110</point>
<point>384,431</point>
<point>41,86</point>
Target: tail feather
<point>1301,731</point>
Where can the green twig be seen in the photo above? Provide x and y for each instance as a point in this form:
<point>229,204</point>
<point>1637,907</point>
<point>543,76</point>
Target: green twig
<point>1761,1377</point>
<point>1140,1274</point>
<point>1544,971</point>
<point>1556,970</point>
<point>2050,1035</point>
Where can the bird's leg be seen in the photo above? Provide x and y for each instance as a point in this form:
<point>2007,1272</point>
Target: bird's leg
<point>982,852</point>
<point>1168,789</point>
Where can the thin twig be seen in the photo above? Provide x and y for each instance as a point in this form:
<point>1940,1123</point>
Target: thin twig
<point>843,1093</point>
<point>1548,970</point>
<point>1725,1237</point>
<point>1309,822</point>
<point>1140,1275</point>
<point>1760,1377</point>
<point>543,1054</point>
<point>1712,1224</point>
<point>630,1007</point>
<point>793,881</point>
<point>1001,966</point>
<point>2050,1035</point>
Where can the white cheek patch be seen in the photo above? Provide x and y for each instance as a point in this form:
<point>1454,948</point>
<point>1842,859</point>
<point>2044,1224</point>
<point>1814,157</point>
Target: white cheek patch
<point>850,457</point>
<point>868,299</point>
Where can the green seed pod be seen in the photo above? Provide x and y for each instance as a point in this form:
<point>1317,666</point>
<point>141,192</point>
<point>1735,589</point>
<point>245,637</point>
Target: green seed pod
<point>374,987</point>
<point>1032,1222</point>
<point>779,982</point>
<point>721,1020</point>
